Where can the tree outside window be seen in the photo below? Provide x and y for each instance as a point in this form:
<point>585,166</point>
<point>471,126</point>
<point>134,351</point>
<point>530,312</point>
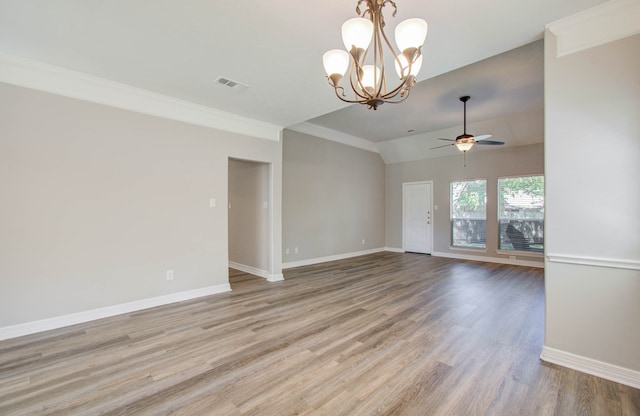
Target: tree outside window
<point>469,214</point>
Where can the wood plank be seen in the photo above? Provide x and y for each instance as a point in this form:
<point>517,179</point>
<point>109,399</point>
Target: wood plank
<point>387,333</point>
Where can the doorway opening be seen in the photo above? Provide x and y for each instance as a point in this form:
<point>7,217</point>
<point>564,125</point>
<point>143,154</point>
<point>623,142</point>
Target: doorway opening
<point>250,217</point>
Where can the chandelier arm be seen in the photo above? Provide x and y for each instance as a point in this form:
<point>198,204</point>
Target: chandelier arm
<point>357,93</point>
<point>395,57</point>
<point>400,89</point>
<point>389,96</point>
<point>392,3</point>
<point>346,100</point>
<point>404,97</point>
<point>357,87</point>
<point>382,87</point>
<point>381,6</point>
<point>378,54</point>
<point>397,90</point>
<point>380,15</point>
<point>405,74</point>
<point>368,9</point>
<point>408,81</point>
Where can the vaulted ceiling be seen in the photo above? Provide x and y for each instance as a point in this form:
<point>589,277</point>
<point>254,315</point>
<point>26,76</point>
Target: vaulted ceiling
<point>490,50</point>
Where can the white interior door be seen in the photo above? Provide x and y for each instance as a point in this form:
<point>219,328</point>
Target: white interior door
<point>417,217</point>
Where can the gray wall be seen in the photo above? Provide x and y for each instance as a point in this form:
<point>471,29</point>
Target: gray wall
<point>249,214</point>
<point>98,203</point>
<point>489,165</point>
<point>333,198</point>
<point>592,157</point>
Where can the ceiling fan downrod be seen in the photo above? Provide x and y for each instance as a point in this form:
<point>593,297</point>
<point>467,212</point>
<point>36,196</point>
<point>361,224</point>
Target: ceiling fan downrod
<point>464,100</point>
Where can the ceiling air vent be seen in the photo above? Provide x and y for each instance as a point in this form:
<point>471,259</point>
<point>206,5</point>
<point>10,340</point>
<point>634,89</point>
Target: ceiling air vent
<point>238,86</point>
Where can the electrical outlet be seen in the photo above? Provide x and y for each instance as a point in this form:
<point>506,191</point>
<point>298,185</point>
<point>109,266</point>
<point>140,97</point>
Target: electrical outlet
<point>169,274</point>
<point>295,250</point>
<point>286,251</point>
<point>363,241</point>
<point>212,202</point>
<point>512,257</point>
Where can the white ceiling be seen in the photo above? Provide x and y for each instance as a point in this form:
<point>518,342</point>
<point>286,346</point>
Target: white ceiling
<point>179,48</point>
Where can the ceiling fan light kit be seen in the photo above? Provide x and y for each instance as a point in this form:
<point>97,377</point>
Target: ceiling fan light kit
<point>365,42</point>
<point>464,143</point>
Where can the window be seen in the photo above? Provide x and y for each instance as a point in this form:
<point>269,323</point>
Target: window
<point>469,214</point>
<point>521,213</point>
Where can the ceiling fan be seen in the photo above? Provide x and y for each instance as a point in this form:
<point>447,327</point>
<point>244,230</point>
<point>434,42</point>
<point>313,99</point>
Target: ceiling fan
<point>465,141</point>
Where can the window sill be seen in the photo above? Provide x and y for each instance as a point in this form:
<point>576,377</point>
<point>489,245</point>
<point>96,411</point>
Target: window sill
<point>521,253</point>
<point>471,249</point>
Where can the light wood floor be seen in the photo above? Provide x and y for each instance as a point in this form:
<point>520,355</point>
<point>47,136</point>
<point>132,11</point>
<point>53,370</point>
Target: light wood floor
<point>385,334</point>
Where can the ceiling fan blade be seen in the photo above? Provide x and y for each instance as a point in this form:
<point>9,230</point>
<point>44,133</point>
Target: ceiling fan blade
<point>494,142</point>
<point>444,145</point>
<point>449,140</point>
<point>482,137</point>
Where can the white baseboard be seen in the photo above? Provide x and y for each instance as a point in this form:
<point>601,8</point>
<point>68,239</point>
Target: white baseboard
<point>394,250</point>
<point>459,256</point>
<point>309,262</point>
<point>275,277</point>
<point>257,272</point>
<point>590,366</point>
<point>19,330</point>
<point>514,262</point>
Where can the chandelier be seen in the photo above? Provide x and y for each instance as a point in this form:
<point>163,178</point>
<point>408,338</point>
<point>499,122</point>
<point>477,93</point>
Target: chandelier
<point>365,41</point>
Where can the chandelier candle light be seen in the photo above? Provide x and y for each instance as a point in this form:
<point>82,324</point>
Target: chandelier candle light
<point>365,41</point>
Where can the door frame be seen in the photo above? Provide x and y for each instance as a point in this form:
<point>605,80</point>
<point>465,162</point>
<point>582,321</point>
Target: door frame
<point>404,187</point>
<point>272,274</point>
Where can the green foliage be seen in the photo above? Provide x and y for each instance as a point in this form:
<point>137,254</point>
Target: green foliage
<point>523,185</point>
<point>521,197</point>
<point>468,199</point>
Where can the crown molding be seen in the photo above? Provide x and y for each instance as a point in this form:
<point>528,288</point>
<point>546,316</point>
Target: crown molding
<point>334,136</point>
<point>602,24</point>
<point>40,76</point>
